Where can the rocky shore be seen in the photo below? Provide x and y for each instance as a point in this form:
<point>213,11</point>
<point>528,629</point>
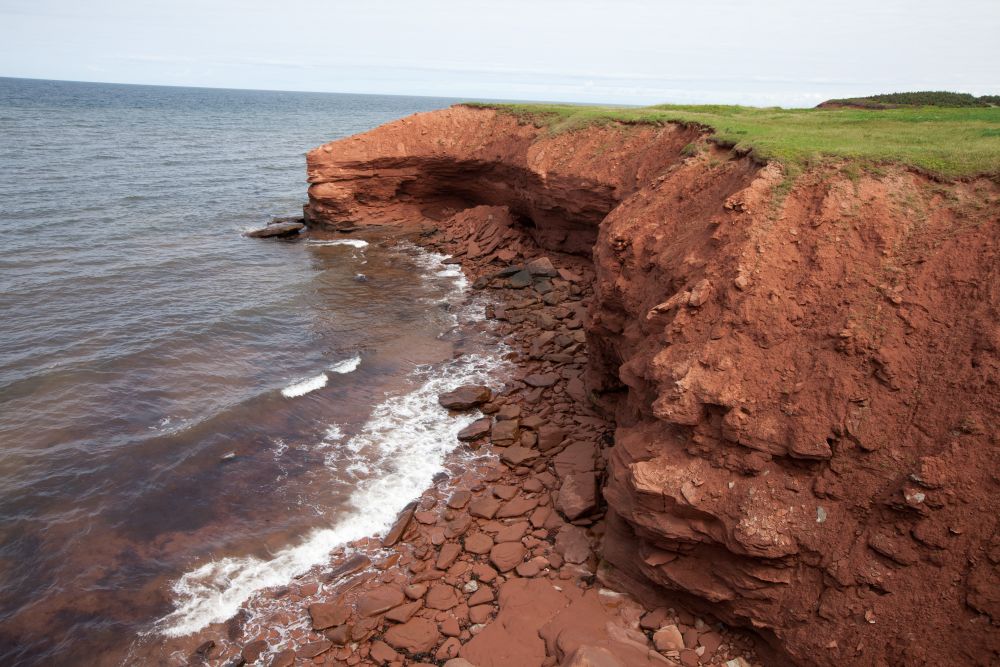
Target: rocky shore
<point>745,399</point>
<point>499,565</point>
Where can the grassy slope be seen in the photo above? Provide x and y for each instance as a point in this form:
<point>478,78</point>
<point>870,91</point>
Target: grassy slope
<point>945,142</point>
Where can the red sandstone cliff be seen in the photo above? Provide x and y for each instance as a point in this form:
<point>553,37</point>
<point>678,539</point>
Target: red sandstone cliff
<point>804,385</point>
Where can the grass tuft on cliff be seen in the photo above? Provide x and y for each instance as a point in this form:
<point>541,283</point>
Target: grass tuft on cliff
<point>944,142</point>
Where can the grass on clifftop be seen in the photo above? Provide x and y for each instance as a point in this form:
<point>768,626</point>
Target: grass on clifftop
<point>945,142</point>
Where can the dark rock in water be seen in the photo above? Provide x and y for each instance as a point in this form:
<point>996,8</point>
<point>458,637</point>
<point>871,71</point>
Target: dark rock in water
<point>439,477</point>
<point>286,218</point>
<point>360,278</point>
<point>465,397</point>
<point>520,279</point>
<point>280,230</point>
<point>481,282</point>
<point>452,261</point>
<point>205,650</point>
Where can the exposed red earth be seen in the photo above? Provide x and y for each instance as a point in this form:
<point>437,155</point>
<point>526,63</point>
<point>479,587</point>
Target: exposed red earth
<point>751,424</point>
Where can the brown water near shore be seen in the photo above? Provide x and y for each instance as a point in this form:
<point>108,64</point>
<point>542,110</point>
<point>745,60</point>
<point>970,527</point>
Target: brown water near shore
<point>239,487</point>
<point>449,587</point>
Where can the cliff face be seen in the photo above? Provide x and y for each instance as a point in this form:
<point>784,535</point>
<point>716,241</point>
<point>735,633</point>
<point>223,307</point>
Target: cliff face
<point>804,379</point>
<point>436,164</point>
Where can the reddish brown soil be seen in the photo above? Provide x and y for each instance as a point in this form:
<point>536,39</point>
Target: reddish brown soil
<point>804,383</point>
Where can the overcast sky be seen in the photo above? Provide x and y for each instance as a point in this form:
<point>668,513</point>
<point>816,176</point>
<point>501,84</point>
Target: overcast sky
<point>769,52</point>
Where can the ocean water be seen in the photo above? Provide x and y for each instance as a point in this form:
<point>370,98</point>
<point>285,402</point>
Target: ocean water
<point>188,416</point>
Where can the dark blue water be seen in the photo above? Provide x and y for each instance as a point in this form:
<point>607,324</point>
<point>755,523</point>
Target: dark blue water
<point>154,473</point>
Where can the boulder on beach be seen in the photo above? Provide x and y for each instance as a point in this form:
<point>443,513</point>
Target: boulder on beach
<point>277,230</point>
<point>465,397</point>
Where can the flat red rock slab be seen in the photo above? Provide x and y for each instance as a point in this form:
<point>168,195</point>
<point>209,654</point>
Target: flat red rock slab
<point>512,533</point>
<point>507,430</point>
<point>379,600</point>
<point>446,557</point>
<point>383,653</point>
<point>465,397</point>
<point>312,649</point>
<point>441,596</point>
<point>484,508</point>
<point>517,507</point>
<point>400,526</point>
<point>541,379</point>
<point>512,638</point>
<point>478,543</point>
<point>418,635</point>
<point>404,612</point>
<point>578,495</point>
<point>572,544</point>
<point>517,455</point>
<point>475,430</point>
<point>458,526</point>
<point>550,437</point>
<point>459,499</point>
<point>504,491</point>
<point>507,555</point>
<point>328,614</point>
<point>577,457</point>
<point>484,595</point>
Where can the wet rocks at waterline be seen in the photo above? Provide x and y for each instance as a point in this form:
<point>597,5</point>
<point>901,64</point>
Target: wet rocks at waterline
<point>279,228</point>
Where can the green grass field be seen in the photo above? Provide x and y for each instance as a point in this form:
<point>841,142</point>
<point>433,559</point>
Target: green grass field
<point>944,142</point>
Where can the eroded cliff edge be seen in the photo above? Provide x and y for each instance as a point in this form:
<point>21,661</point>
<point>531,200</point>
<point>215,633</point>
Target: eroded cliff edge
<point>803,375</point>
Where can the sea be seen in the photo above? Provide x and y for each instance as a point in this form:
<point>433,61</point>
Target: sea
<point>189,416</point>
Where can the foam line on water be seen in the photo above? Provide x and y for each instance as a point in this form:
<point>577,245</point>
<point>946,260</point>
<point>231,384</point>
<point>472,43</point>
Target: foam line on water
<point>395,456</point>
<point>303,387</point>
<point>398,451</point>
<point>347,365</point>
<point>354,243</point>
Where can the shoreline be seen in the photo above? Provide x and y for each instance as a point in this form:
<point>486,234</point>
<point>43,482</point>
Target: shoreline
<point>457,577</point>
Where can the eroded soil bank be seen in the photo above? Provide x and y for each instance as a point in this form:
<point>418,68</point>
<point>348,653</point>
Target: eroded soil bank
<point>802,382</point>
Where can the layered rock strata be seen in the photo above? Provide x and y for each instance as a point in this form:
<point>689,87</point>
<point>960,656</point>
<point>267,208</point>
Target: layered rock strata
<point>803,374</point>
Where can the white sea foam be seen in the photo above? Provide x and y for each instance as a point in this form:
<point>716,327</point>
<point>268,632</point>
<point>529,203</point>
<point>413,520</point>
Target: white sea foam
<point>333,433</point>
<point>280,447</point>
<point>397,453</point>
<point>347,365</point>
<point>394,457</point>
<point>305,386</point>
<point>451,272</point>
<point>354,243</point>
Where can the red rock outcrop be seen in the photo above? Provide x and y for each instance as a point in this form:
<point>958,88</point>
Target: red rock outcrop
<point>435,164</point>
<point>804,380</point>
